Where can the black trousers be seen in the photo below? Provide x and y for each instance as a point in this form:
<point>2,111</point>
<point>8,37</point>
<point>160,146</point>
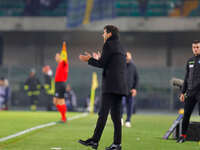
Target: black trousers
<point>129,101</point>
<point>109,103</point>
<point>48,100</point>
<point>188,109</point>
<point>34,99</point>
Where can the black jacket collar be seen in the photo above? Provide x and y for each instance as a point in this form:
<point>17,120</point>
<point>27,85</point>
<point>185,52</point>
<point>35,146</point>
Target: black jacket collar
<point>112,38</point>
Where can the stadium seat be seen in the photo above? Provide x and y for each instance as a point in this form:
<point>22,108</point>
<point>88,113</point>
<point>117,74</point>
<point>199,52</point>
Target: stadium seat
<point>16,8</point>
<point>123,8</point>
<point>2,13</point>
<point>135,14</point>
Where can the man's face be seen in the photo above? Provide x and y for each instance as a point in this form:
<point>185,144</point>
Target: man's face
<point>196,49</point>
<point>106,35</point>
<point>68,88</point>
<point>128,57</point>
<point>1,83</point>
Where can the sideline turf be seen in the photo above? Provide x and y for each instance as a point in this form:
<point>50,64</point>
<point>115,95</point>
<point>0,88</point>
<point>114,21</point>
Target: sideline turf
<point>146,133</point>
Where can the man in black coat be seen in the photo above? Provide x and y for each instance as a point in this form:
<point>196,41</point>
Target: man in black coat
<point>191,88</point>
<point>114,86</point>
<point>132,81</point>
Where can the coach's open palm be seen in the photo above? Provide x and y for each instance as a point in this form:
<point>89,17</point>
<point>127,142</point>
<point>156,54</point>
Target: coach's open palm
<point>85,57</point>
<point>96,55</point>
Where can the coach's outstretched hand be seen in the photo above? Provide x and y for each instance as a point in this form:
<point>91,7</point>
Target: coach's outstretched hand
<point>96,55</point>
<point>85,57</point>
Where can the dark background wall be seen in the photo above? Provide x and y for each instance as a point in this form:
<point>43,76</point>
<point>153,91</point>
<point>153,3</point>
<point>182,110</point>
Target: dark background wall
<point>148,49</point>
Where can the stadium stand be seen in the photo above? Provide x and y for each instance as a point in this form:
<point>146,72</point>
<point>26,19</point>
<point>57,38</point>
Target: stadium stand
<point>16,8</point>
<point>121,7</point>
<point>11,7</point>
<point>187,8</point>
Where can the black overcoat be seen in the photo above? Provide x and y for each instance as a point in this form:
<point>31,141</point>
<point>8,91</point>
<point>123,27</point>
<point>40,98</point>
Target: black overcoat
<point>113,62</point>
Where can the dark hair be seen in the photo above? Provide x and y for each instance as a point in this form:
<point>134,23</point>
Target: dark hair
<point>112,29</point>
<point>196,42</point>
<point>2,78</point>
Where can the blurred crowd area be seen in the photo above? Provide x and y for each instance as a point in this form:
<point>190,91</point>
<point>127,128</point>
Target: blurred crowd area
<point>146,8</point>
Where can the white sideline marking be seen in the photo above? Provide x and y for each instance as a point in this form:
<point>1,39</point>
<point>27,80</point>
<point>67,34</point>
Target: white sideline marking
<point>39,127</point>
<point>56,148</point>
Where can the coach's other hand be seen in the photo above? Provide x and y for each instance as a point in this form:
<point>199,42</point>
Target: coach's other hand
<point>85,57</point>
<point>96,55</point>
<point>133,92</point>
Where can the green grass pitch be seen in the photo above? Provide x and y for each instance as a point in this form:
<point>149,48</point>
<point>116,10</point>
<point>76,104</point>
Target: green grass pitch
<point>146,132</point>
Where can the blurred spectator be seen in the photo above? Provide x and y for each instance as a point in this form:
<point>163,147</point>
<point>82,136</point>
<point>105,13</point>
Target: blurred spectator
<point>70,98</point>
<point>7,94</point>
<point>96,103</point>
<point>143,5</point>
<point>32,86</point>
<point>32,8</point>
<point>179,3</point>
<point>49,4</point>
<point>132,80</point>
<point>178,8</point>
<point>2,92</point>
<point>184,7</point>
<point>49,87</point>
<point>87,103</point>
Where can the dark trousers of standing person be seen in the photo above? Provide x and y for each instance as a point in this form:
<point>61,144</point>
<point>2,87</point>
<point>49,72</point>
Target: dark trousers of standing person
<point>48,101</point>
<point>33,102</point>
<point>109,103</point>
<point>188,108</point>
<point>129,101</point>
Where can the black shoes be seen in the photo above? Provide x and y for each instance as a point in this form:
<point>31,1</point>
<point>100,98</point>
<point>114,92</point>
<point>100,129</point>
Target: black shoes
<point>114,147</point>
<point>94,145</point>
<point>89,142</point>
<point>181,139</point>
